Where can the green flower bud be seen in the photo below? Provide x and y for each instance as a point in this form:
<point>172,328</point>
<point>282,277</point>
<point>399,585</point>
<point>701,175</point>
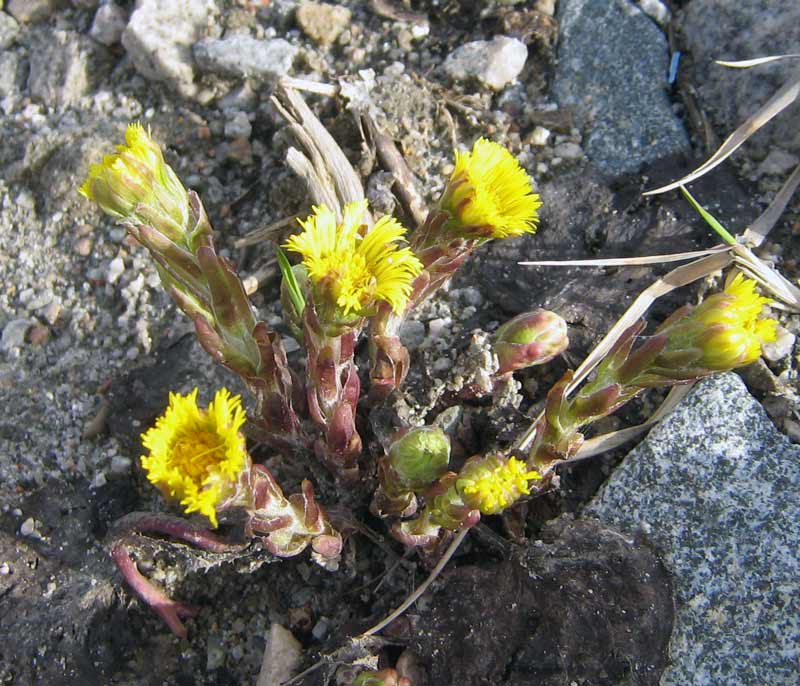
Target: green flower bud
<point>420,456</point>
<point>529,339</point>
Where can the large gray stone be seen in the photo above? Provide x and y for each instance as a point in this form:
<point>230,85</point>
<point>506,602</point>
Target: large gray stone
<point>62,67</point>
<point>735,30</point>
<point>716,489</point>
<point>612,71</point>
<point>159,38</point>
<point>245,57</point>
<point>31,11</point>
<point>9,29</point>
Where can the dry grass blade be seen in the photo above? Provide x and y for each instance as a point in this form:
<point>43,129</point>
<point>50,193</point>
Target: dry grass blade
<point>776,104</point>
<point>417,592</point>
<point>746,64</point>
<point>325,168</point>
<point>614,439</point>
<point>329,89</point>
<point>755,268</point>
<point>681,276</point>
<point>760,228</point>
<point>628,261</point>
<point>265,233</point>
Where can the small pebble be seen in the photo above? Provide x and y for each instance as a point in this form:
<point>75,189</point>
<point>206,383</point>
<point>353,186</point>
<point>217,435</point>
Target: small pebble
<point>5,570</point>
<point>539,136</point>
<point>83,246</point>
<point>780,347</point>
<point>14,333</point>
<point>115,269</point>
<point>120,465</point>
<point>238,126</point>
<point>28,527</point>
<point>320,629</point>
<point>568,151</point>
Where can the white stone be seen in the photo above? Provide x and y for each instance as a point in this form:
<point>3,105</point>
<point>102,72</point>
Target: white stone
<point>494,63</point>
<point>780,347</point>
<point>539,136</point>
<point>109,23</point>
<point>159,36</point>
<point>568,151</point>
<point>28,527</point>
<point>115,269</point>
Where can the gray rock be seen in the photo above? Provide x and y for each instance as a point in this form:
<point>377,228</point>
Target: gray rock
<point>14,333</point>
<point>31,11</point>
<point>716,489</point>
<point>61,67</point>
<point>9,64</point>
<point>109,22</point>
<point>238,126</point>
<point>9,29</point>
<point>245,57</point>
<point>159,37</point>
<point>494,63</point>
<point>612,68</point>
<point>731,30</point>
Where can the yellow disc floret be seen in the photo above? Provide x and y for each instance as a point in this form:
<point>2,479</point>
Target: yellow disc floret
<point>490,195</point>
<point>196,456</point>
<point>353,270</point>
<point>494,483</point>
<point>136,175</point>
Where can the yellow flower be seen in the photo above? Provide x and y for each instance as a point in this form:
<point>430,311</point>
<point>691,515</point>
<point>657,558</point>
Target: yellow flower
<point>726,327</point>
<point>350,270</point>
<point>494,483</point>
<point>490,195</point>
<point>196,456</point>
<point>137,176</point>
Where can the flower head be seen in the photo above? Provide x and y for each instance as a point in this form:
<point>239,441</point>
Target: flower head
<point>196,456</point>
<point>351,271</point>
<point>137,176</point>
<point>727,328</point>
<point>492,484</point>
<point>489,194</point>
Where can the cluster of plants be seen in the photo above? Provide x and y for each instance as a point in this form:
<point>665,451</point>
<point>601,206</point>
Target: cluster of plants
<point>358,276</point>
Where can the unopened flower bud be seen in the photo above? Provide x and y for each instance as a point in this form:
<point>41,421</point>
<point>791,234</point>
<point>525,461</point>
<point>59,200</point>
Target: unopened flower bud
<point>529,339</point>
<point>420,456</point>
<point>137,184</point>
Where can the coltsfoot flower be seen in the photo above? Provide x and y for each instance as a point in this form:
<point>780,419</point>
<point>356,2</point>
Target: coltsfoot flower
<point>727,329</point>
<point>137,184</point>
<point>494,483</point>
<point>197,456</point>
<point>490,195</point>
<point>351,271</point>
